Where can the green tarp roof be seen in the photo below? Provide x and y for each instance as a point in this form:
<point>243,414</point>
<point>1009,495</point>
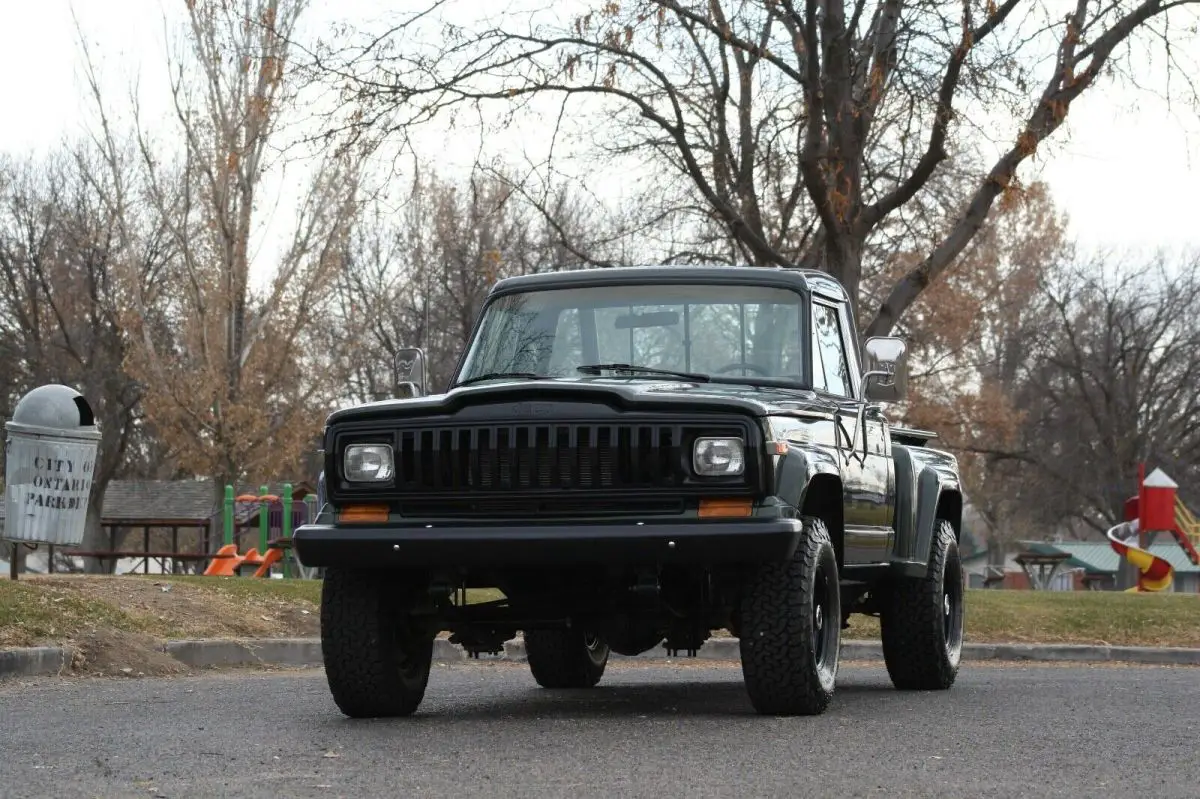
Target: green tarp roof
<point>1100,558</point>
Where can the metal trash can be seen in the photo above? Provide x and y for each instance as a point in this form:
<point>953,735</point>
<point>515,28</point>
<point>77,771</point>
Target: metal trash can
<point>50,457</point>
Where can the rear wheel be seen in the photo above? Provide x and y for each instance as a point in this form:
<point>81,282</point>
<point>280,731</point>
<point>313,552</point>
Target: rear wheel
<point>790,631</point>
<point>377,656</point>
<point>565,658</point>
<point>921,624</point>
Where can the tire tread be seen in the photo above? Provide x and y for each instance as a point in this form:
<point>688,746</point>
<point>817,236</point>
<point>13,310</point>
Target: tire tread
<point>914,646</point>
<point>777,665</point>
<point>360,645</point>
<point>559,659</point>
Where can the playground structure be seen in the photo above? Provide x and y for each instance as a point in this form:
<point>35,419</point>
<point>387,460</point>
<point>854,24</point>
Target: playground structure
<point>1157,508</point>
<point>277,517</point>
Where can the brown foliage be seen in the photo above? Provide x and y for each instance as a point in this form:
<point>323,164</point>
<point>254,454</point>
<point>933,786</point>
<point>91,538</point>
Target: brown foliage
<point>970,331</point>
<point>227,365</point>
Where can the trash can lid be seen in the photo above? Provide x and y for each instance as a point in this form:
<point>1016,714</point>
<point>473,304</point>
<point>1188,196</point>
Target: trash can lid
<point>53,408</point>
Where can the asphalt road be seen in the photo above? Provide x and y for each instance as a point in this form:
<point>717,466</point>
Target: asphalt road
<point>657,730</point>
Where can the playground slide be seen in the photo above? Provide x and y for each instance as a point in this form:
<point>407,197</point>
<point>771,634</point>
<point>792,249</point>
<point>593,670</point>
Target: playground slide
<point>1187,531</point>
<point>1155,573</point>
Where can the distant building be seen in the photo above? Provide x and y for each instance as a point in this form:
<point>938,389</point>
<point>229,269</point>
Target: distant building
<point>1095,565</point>
<point>1082,566</point>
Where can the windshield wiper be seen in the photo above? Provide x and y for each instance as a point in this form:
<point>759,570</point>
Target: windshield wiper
<point>501,376</point>
<point>597,368</point>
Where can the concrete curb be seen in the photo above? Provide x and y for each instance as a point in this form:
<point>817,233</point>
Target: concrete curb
<point>218,653</point>
<point>294,652</point>
<point>35,661</point>
<point>728,649</point>
<point>306,653</point>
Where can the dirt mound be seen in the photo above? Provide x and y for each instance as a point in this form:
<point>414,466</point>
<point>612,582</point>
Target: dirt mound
<point>115,653</point>
<point>185,608</point>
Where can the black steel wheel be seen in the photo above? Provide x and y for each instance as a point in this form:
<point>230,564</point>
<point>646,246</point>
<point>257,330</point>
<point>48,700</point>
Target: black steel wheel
<point>922,619</point>
<point>377,656</point>
<point>790,628</point>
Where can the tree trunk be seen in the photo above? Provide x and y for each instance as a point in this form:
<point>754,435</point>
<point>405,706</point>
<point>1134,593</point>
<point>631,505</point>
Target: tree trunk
<point>843,262</point>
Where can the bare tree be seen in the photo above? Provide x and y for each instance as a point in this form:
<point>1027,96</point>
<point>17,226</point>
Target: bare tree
<point>808,131</point>
<point>418,277</point>
<point>1114,381</point>
<point>234,391</point>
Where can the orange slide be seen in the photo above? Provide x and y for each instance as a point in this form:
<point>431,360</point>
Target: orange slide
<point>227,562</point>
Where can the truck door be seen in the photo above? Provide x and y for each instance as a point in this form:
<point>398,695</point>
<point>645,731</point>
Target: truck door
<point>860,437</point>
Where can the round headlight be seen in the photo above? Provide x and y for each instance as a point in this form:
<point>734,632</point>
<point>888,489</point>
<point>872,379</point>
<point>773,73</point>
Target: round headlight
<point>368,463</point>
<point>716,457</point>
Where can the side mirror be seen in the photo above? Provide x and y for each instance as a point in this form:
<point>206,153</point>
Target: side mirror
<point>886,378</point>
<point>408,373</point>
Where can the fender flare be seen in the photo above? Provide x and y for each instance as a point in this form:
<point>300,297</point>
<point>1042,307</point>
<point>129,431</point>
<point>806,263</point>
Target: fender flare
<point>796,470</point>
<point>928,489</point>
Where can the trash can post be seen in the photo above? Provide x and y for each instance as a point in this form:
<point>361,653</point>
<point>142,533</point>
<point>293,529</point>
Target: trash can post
<point>286,532</point>
<point>264,519</point>
<point>51,444</point>
<point>228,515</point>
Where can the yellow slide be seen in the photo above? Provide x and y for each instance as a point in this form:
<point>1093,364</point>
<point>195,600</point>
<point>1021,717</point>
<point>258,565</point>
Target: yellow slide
<point>1189,526</point>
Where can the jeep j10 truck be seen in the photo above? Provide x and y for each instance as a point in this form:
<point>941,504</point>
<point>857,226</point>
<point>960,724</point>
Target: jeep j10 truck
<point>636,457</point>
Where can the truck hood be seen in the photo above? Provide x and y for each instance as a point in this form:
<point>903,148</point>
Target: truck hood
<point>532,398</point>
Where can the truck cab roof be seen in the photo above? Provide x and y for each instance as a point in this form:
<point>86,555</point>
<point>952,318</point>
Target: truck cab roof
<point>807,281</point>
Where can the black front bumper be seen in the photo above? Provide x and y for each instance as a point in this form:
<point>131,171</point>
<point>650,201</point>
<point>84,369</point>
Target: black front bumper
<point>714,542</point>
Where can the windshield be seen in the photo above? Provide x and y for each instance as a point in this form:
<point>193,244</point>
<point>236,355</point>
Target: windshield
<point>720,331</point>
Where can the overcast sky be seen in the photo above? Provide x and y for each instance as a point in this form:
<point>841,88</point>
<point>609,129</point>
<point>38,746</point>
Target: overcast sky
<point>1126,170</point>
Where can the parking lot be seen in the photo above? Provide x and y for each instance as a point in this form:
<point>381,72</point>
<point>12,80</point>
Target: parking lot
<point>649,730</point>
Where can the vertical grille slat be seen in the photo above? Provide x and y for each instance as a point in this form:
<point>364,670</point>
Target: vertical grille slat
<point>487,459</point>
<point>562,457</point>
<point>663,463</point>
<point>653,464</point>
<point>545,457</point>
<point>625,460</point>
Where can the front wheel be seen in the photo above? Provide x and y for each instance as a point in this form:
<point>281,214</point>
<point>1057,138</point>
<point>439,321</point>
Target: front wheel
<point>565,658</point>
<point>790,628</point>
<point>377,656</point>
<point>921,623</point>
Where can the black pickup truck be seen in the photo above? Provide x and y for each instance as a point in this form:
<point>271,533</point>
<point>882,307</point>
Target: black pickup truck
<point>636,457</point>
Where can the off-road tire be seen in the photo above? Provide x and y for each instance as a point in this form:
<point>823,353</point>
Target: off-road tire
<point>790,628</point>
<point>565,658</point>
<point>377,656</point>
<point>922,620</point>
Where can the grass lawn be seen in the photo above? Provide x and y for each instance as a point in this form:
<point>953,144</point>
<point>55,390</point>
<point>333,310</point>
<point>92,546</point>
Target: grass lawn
<point>45,609</point>
<point>1072,617</point>
<point>40,609</point>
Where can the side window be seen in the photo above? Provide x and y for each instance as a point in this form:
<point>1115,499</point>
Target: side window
<point>827,340</point>
<point>818,368</point>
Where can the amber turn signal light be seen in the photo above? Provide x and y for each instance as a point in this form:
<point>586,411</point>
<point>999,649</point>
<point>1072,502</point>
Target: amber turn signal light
<point>710,508</point>
<point>364,513</point>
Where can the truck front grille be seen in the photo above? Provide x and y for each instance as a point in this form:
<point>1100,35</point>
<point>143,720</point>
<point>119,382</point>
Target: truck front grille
<point>487,458</point>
